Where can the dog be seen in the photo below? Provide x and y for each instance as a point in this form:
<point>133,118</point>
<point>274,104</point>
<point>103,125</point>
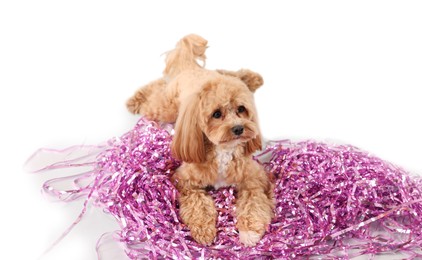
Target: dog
<point>216,132</point>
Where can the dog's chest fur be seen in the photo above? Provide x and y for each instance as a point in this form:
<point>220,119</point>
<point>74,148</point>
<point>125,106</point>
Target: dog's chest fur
<point>223,158</point>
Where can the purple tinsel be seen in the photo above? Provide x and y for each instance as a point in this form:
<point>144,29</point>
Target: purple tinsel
<point>332,200</point>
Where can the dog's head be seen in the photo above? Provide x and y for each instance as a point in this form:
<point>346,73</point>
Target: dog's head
<point>221,114</point>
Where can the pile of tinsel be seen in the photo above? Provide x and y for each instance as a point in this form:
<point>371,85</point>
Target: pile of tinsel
<point>333,201</point>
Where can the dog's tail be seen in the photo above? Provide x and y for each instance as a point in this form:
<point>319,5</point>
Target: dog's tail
<point>185,56</point>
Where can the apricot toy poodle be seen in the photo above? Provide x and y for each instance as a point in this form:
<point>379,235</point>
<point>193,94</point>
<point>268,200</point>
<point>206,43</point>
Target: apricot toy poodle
<point>216,132</point>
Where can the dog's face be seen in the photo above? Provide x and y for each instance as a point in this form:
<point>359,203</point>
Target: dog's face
<point>224,113</point>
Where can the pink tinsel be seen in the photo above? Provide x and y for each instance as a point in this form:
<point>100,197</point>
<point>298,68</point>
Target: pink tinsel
<point>332,200</point>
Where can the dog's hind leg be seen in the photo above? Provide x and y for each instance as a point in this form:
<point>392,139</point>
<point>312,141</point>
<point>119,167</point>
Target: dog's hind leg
<point>153,102</point>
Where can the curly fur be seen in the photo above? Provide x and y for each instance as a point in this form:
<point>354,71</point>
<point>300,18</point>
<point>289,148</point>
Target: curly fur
<point>209,107</point>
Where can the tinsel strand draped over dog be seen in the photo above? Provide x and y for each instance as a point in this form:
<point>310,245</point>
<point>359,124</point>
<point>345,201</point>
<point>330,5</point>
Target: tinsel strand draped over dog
<point>334,201</point>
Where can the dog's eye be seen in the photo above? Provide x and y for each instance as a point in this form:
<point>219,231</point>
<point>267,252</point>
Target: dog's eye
<point>217,114</point>
<point>241,109</point>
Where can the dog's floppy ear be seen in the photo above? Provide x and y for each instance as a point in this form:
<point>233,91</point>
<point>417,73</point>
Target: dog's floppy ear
<point>252,79</point>
<point>188,140</point>
<point>253,145</point>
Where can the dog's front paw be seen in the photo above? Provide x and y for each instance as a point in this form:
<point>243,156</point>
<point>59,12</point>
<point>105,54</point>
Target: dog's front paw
<point>249,238</point>
<point>203,234</point>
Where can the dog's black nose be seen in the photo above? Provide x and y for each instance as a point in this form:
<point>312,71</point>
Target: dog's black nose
<point>237,130</point>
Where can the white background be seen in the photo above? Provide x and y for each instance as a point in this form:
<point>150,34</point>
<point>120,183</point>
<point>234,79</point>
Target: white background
<point>344,71</point>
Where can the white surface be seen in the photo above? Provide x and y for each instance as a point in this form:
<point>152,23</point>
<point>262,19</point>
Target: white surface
<point>333,70</point>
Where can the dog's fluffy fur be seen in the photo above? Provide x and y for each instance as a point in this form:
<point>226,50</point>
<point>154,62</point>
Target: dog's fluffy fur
<point>216,132</point>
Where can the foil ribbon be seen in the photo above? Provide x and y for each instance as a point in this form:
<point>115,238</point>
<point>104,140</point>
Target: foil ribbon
<point>332,201</point>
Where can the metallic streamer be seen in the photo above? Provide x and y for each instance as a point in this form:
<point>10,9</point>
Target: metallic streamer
<point>335,201</point>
